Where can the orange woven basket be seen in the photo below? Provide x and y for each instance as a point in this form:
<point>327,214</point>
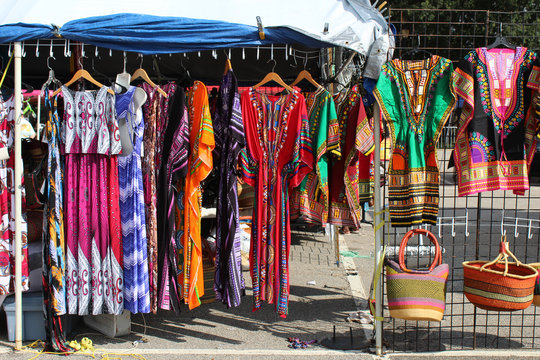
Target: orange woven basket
<point>499,285</point>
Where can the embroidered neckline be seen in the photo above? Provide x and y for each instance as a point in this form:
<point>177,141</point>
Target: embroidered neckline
<point>416,94</point>
<point>515,111</point>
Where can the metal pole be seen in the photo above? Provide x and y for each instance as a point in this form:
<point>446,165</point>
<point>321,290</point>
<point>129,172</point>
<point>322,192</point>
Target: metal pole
<point>18,199</point>
<point>376,221</point>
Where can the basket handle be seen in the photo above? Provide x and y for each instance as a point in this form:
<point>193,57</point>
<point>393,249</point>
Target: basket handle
<point>504,253</point>
<point>438,256</point>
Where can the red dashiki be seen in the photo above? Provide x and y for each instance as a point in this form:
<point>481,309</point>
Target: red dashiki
<point>277,158</point>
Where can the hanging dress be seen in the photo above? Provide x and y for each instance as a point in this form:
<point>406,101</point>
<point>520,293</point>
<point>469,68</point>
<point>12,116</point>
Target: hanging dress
<point>350,179</point>
<point>92,222</point>
<point>495,142</point>
<point>54,267</point>
<point>132,209</point>
<point>229,135</point>
<point>172,176</point>
<point>534,85</point>
<point>155,111</point>
<point>278,157</point>
<point>7,204</point>
<point>416,99</point>
<point>201,140</point>
<point>311,198</point>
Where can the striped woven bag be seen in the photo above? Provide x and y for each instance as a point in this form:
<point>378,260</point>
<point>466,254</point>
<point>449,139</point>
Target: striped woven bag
<point>416,294</point>
<point>499,285</point>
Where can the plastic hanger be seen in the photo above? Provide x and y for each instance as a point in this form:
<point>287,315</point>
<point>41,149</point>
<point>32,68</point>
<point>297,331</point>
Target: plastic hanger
<point>141,73</point>
<point>83,74</point>
<point>272,76</point>
<point>501,41</point>
<point>304,74</point>
<point>415,51</point>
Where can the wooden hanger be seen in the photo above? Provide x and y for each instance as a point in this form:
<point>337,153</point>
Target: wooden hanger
<point>82,74</point>
<point>228,66</point>
<point>304,74</point>
<point>272,76</point>
<point>141,73</point>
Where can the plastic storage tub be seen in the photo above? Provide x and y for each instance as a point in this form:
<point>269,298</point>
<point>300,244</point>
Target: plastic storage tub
<point>33,323</point>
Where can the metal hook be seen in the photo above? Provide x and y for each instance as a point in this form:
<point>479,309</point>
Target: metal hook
<point>23,52</point>
<point>418,40</point>
<point>453,227</point>
<point>10,52</point>
<point>80,61</point>
<point>305,61</point>
<point>243,53</point>
<point>467,223</point>
<point>142,59</point>
<point>67,50</point>
<point>257,53</point>
<point>500,28</point>
<point>230,56</point>
<point>529,231</point>
<point>503,230</point>
<point>83,53</point>
<point>125,61</point>
<point>48,64</point>
<point>51,54</point>
<point>110,52</point>
<point>275,63</point>
<point>96,52</point>
<point>286,53</point>
<point>516,234</point>
<point>272,51</point>
<point>439,224</point>
<point>37,48</point>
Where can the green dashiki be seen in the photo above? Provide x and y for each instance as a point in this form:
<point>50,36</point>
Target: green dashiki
<point>416,99</point>
<point>310,199</point>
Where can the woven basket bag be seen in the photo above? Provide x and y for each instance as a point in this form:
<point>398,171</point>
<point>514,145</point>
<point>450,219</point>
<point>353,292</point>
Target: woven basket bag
<point>536,297</point>
<point>416,294</point>
<point>499,285</point>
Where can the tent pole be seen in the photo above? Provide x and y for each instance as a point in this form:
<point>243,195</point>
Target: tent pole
<point>18,199</point>
<point>378,230</point>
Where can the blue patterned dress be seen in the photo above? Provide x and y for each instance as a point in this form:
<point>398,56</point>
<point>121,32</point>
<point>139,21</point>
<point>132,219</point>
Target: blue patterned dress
<point>136,281</point>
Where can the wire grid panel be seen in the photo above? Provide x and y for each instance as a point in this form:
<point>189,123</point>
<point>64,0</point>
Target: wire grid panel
<point>469,227</point>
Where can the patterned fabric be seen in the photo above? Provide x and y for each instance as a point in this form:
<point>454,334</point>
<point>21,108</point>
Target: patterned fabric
<point>350,178</point>
<point>534,85</point>
<point>92,141</point>
<point>201,140</point>
<point>311,198</point>
<point>53,235</point>
<point>229,137</point>
<point>495,142</point>
<point>174,167</point>
<point>278,157</point>
<point>7,206</point>
<point>54,289</point>
<point>132,209</point>
<point>416,99</point>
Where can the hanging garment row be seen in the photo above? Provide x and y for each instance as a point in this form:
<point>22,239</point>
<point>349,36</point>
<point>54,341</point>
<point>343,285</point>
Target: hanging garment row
<point>125,168</point>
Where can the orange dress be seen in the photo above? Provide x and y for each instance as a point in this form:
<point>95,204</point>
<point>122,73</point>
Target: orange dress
<point>201,140</point>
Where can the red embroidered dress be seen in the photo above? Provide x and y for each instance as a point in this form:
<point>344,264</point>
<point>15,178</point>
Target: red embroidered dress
<point>278,156</point>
